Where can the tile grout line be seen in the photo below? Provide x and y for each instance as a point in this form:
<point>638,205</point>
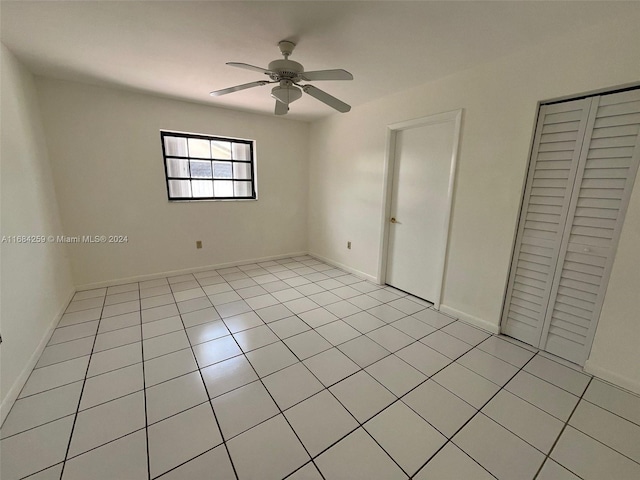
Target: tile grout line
<point>293,314</point>
<point>84,382</point>
<point>233,289</point>
<point>110,441</point>
<point>526,371</point>
<point>311,282</point>
<point>79,338</point>
<point>564,427</point>
<point>580,400</point>
<point>215,417</point>
<point>536,406</point>
<point>503,387</point>
<point>324,388</point>
<point>50,389</point>
<point>435,381</point>
<point>332,346</point>
<point>430,377</point>
<point>75,358</point>
<point>360,424</point>
<point>263,346</point>
<point>260,379</point>
<point>479,410</point>
<point>612,413</point>
<point>603,444</point>
<point>39,425</point>
<point>144,389</point>
<point>450,439</point>
<point>363,369</point>
<point>349,375</point>
<point>86,409</point>
<point>457,358</point>
<point>591,377</point>
<point>103,403</point>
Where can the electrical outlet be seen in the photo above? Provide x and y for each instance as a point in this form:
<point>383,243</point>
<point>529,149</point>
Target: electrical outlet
<point>349,245</point>
<point>198,243</point>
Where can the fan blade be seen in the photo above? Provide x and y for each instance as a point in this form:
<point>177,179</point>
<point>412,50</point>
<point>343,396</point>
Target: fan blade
<point>246,66</point>
<point>281,108</point>
<point>244,86</point>
<point>338,74</point>
<point>324,97</point>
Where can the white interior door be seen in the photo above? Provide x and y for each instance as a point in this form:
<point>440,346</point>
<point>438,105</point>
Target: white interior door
<point>423,171</point>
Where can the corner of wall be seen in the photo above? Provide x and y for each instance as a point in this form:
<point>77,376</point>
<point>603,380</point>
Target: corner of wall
<point>471,319</point>
<point>346,268</point>
<point>36,277</point>
<point>612,377</point>
<point>11,396</point>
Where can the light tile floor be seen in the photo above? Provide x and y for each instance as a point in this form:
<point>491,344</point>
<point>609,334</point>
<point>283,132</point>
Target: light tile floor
<point>296,369</point>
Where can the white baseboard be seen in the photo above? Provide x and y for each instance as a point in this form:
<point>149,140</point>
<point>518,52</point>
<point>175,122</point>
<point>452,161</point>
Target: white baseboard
<point>470,319</point>
<point>12,395</point>
<point>171,273</point>
<point>612,377</point>
<point>346,268</point>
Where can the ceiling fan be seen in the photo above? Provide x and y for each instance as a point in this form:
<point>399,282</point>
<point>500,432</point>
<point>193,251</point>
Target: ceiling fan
<point>288,75</point>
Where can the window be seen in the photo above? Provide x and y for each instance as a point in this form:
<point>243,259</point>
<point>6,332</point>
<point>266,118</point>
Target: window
<point>202,167</point>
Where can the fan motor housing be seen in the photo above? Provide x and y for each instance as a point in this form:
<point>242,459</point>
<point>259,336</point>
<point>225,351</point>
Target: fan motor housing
<point>286,69</point>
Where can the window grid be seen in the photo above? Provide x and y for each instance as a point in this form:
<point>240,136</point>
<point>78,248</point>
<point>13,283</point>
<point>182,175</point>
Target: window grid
<point>229,185</point>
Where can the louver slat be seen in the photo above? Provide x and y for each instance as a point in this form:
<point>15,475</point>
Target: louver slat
<point>574,302</point>
<point>524,304</point>
<point>579,285</point>
<point>564,174</point>
<point>587,221</point>
<point>535,299</point>
<point>561,127</point>
<point>530,282</point>
<point>611,110</point>
<point>528,288</point>
<point>628,119</point>
<point>574,293</point>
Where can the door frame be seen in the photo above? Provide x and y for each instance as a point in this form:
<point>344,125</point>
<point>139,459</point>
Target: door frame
<point>454,116</point>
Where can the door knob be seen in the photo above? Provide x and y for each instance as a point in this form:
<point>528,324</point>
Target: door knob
<point>393,220</point>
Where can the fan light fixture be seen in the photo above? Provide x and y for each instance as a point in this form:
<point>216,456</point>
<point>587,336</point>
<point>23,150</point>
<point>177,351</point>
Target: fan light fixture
<point>286,92</point>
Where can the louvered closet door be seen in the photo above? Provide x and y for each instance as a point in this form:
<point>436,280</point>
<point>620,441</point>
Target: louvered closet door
<point>605,177</point>
<point>552,171</point>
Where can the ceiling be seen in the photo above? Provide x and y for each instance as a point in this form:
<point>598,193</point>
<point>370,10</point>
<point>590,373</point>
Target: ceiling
<point>179,49</point>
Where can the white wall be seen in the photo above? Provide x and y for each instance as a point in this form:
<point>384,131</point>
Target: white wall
<point>615,354</point>
<point>36,279</point>
<point>108,168</point>
<point>499,101</point>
